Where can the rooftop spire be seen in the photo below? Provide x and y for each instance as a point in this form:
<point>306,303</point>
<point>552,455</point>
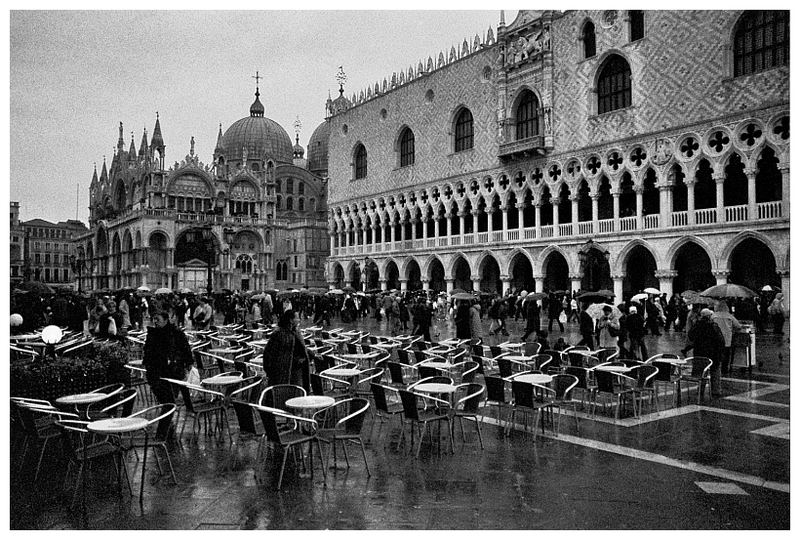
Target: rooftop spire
<point>157,141</point>
<point>104,173</point>
<point>257,109</point>
<point>132,151</point>
<point>143,144</point>
<point>219,148</point>
<point>502,17</point>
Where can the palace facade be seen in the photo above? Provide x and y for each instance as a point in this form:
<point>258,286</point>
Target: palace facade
<point>576,150</point>
<point>255,218</point>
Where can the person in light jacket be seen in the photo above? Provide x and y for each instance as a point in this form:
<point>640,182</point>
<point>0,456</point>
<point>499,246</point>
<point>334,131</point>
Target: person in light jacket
<point>728,324</point>
<point>475,320</point>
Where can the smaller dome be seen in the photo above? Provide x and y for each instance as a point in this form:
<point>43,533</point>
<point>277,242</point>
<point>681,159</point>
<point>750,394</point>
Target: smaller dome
<point>318,148</point>
<point>297,149</point>
<point>257,109</point>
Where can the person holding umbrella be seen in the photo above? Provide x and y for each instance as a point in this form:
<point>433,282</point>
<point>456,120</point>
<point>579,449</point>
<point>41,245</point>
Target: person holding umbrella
<point>607,329</point>
<point>707,340</point>
<point>532,320</point>
<point>635,327</point>
<point>553,311</point>
<point>728,324</point>
<point>285,356</point>
<point>586,326</point>
<point>778,313</point>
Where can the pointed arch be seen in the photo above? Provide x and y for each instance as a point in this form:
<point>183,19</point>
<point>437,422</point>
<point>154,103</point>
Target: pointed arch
<point>622,256</point>
<point>672,252</point>
<point>541,261</point>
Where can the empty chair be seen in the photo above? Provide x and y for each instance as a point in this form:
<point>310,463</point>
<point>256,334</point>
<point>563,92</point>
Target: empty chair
<point>120,404</point>
<point>468,402</point>
<point>645,385</point>
<point>496,395</point>
<point>342,422</point>
<point>509,368</point>
<point>666,375</point>
<point>615,387</point>
<point>248,389</point>
<point>275,396</point>
<point>465,371</point>
<point>700,374</point>
<point>421,418</point>
<point>606,354</point>
<point>401,374</point>
<point>403,356</point>
<point>541,362</point>
<point>529,399</point>
<point>557,361</point>
<point>563,385</point>
<point>365,378</point>
<point>531,347</point>
<point>384,409</point>
<point>428,370</point>
<point>585,381</point>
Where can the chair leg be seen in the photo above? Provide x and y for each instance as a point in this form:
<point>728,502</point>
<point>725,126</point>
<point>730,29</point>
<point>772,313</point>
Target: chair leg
<point>364,453</point>
<point>323,461</point>
<point>344,451</point>
<point>283,466</point>
<point>478,427</point>
<point>39,463</point>
<point>421,436</point>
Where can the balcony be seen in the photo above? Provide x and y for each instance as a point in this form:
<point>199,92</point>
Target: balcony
<point>532,146</point>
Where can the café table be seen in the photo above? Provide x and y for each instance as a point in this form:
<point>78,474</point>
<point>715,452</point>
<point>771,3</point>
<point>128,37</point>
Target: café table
<point>519,358</point>
<point>613,369</point>
<point>75,401</point>
<point>516,347</point>
<point>308,405</point>
<point>534,378</point>
<point>454,342</point>
<point>223,382</point>
<point>341,374</point>
<point>360,358</point>
<point>437,389</point>
<point>118,427</point>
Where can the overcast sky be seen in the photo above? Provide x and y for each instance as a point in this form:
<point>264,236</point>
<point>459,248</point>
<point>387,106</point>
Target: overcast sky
<point>76,74</point>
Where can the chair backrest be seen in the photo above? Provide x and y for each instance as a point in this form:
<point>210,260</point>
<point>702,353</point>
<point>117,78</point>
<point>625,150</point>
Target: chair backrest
<point>605,380</point>
<point>645,375</point>
<point>351,348</point>
<point>403,357</point>
<point>317,384</point>
<point>476,350</point>
<point>468,397</point>
<point>470,369</point>
<point>409,401</point>
<point>269,419</point>
<point>563,385</point>
<point>556,358</point>
<point>123,403</point>
<point>247,389</point>
<point>396,372</point>
<point>700,364</point>
<point>421,345</point>
<point>244,416</point>
<point>523,394</point>
<point>275,396</point>
<point>663,356</point>
<point>576,359</point>
<point>495,389</point>
<point>426,371</point>
<point>323,362</point>
<point>531,348</point>
<point>664,370</point>
<point>495,350</point>
<point>346,415</point>
<point>368,376</point>
<point>541,361</point>
<point>419,355</point>
<point>603,355</point>
<point>580,373</point>
<point>439,379</point>
<point>109,389</point>
<point>379,396</point>
<point>627,362</point>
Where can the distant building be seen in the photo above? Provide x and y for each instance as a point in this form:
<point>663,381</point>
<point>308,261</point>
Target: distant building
<point>255,218</point>
<point>17,237</point>
<point>580,149</point>
<point>47,248</point>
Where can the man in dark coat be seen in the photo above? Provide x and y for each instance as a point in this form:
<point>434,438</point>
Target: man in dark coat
<point>166,354</point>
<point>531,317</point>
<point>285,355</point>
<point>635,327</point>
<point>422,319</point>
<point>707,340</point>
<point>586,325</point>
<point>553,311</point>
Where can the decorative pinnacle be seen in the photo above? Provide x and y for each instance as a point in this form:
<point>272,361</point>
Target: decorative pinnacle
<point>298,125</point>
<point>341,78</point>
<point>257,78</point>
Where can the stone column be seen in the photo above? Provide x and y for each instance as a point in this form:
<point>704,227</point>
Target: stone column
<point>424,228</point>
<point>476,283</point>
<point>461,220</point>
<point>639,209</point>
<point>386,234</point>
<point>575,280</point>
<point>617,278</point>
<point>721,276</point>
<point>449,284</point>
<point>449,217</point>
<point>752,209</point>
<point>506,284</point>
<point>615,195</point>
<point>539,283</point>
<point>436,228</point>
<point>403,284</point>
<point>426,284</point>
<point>504,210</point>
<point>665,279</point>
<point>363,236</point>
<point>347,238</point>
<point>595,213</point>
<point>785,200</point>
<point>556,216</point>
<point>489,226</point>
<point>402,225</point>
<point>384,284</point>
<point>331,236</point>
<point>521,218</point>
<point>474,221</point>
<point>784,275</point>
<point>574,201</point>
<point>690,202</point>
<point>537,209</point>
<point>719,180</point>
<point>665,205</point>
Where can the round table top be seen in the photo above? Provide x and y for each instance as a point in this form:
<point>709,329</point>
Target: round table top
<point>435,388</point>
<point>614,369</point>
<point>117,425</point>
<point>222,380</point>
<point>519,357</point>
<point>433,363</point>
<point>534,378</point>
<point>226,350</point>
<point>509,345</point>
<point>342,372</point>
<point>386,345</point>
<point>81,399</point>
<point>310,402</point>
<point>359,356</point>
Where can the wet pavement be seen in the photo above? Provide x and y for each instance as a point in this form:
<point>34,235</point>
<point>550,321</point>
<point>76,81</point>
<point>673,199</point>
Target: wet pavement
<point>723,464</point>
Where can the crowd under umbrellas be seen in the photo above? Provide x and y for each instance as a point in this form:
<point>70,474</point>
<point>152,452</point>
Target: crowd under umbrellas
<point>248,319</point>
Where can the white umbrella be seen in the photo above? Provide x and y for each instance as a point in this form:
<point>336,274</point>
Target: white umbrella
<point>640,296</point>
<point>595,311</point>
<point>143,288</point>
<point>652,290</point>
<point>163,290</point>
<point>768,288</point>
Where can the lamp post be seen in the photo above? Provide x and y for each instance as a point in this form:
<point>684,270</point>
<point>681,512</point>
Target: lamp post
<point>51,335</point>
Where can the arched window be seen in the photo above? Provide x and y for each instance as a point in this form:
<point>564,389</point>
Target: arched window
<point>527,116</point>
<point>636,22</point>
<point>278,185</point>
<point>406,148</point>
<point>361,162</point>
<point>589,44</point>
<point>278,202</point>
<point>289,185</point>
<point>289,203</point>
<point>464,130</point>
<point>614,85</point>
<point>301,188</point>
<point>761,42</point>
<point>301,204</point>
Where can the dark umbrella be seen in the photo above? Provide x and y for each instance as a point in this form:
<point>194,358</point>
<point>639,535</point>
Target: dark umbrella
<point>36,287</point>
<point>457,291</point>
<point>590,295</point>
<point>728,290</point>
<point>536,295</point>
<point>348,289</point>
<point>463,296</point>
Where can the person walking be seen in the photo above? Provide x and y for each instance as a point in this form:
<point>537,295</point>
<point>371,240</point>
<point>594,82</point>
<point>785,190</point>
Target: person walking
<point>707,340</point>
<point>462,320</point>
<point>423,314</point>
<point>728,324</point>
<point>777,311</point>
<point>166,354</point>
<point>586,326</point>
<point>532,319</point>
<point>285,357</point>
<point>475,328</point>
<point>553,311</point>
<point>635,327</point>
<point>607,329</point>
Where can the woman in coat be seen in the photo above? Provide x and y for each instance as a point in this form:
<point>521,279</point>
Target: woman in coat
<point>475,329</point>
<point>607,330</point>
<point>285,356</point>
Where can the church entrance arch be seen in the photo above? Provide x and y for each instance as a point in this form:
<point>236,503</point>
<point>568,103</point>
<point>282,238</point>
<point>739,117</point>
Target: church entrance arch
<point>521,273</point>
<point>752,264</point>
<point>640,271</point>
<point>556,273</point>
<point>355,276</point>
<point>338,276</point>
<point>693,266</point>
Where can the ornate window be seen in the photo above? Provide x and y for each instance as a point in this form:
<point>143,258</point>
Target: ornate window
<point>464,131</point>
<point>278,202</point>
<point>527,116</point>
<point>289,185</point>
<point>301,204</point>
<point>588,38</point>
<point>636,22</point>
<point>278,185</point>
<point>245,264</point>
<point>406,148</point>
<point>361,162</point>
<point>289,203</point>
<point>614,85</point>
<point>761,42</point>
<point>301,188</point>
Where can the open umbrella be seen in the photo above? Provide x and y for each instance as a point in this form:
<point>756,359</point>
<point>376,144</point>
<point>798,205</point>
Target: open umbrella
<point>728,290</point>
<point>695,298</point>
<point>186,290</point>
<point>336,291</point>
<point>535,295</point>
<point>163,290</point>
<point>689,292</point>
<point>770,288</point>
<point>36,287</point>
<point>259,296</point>
<point>595,311</point>
<point>602,294</point>
<point>640,296</point>
<point>652,290</point>
<point>463,296</point>
<point>457,291</point>
<point>284,294</point>
<point>348,289</point>
<point>143,288</point>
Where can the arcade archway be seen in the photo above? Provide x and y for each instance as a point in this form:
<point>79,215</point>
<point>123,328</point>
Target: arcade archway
<point>693,266</point>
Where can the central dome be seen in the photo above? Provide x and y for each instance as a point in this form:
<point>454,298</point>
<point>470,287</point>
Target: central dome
<point>263,138</point>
